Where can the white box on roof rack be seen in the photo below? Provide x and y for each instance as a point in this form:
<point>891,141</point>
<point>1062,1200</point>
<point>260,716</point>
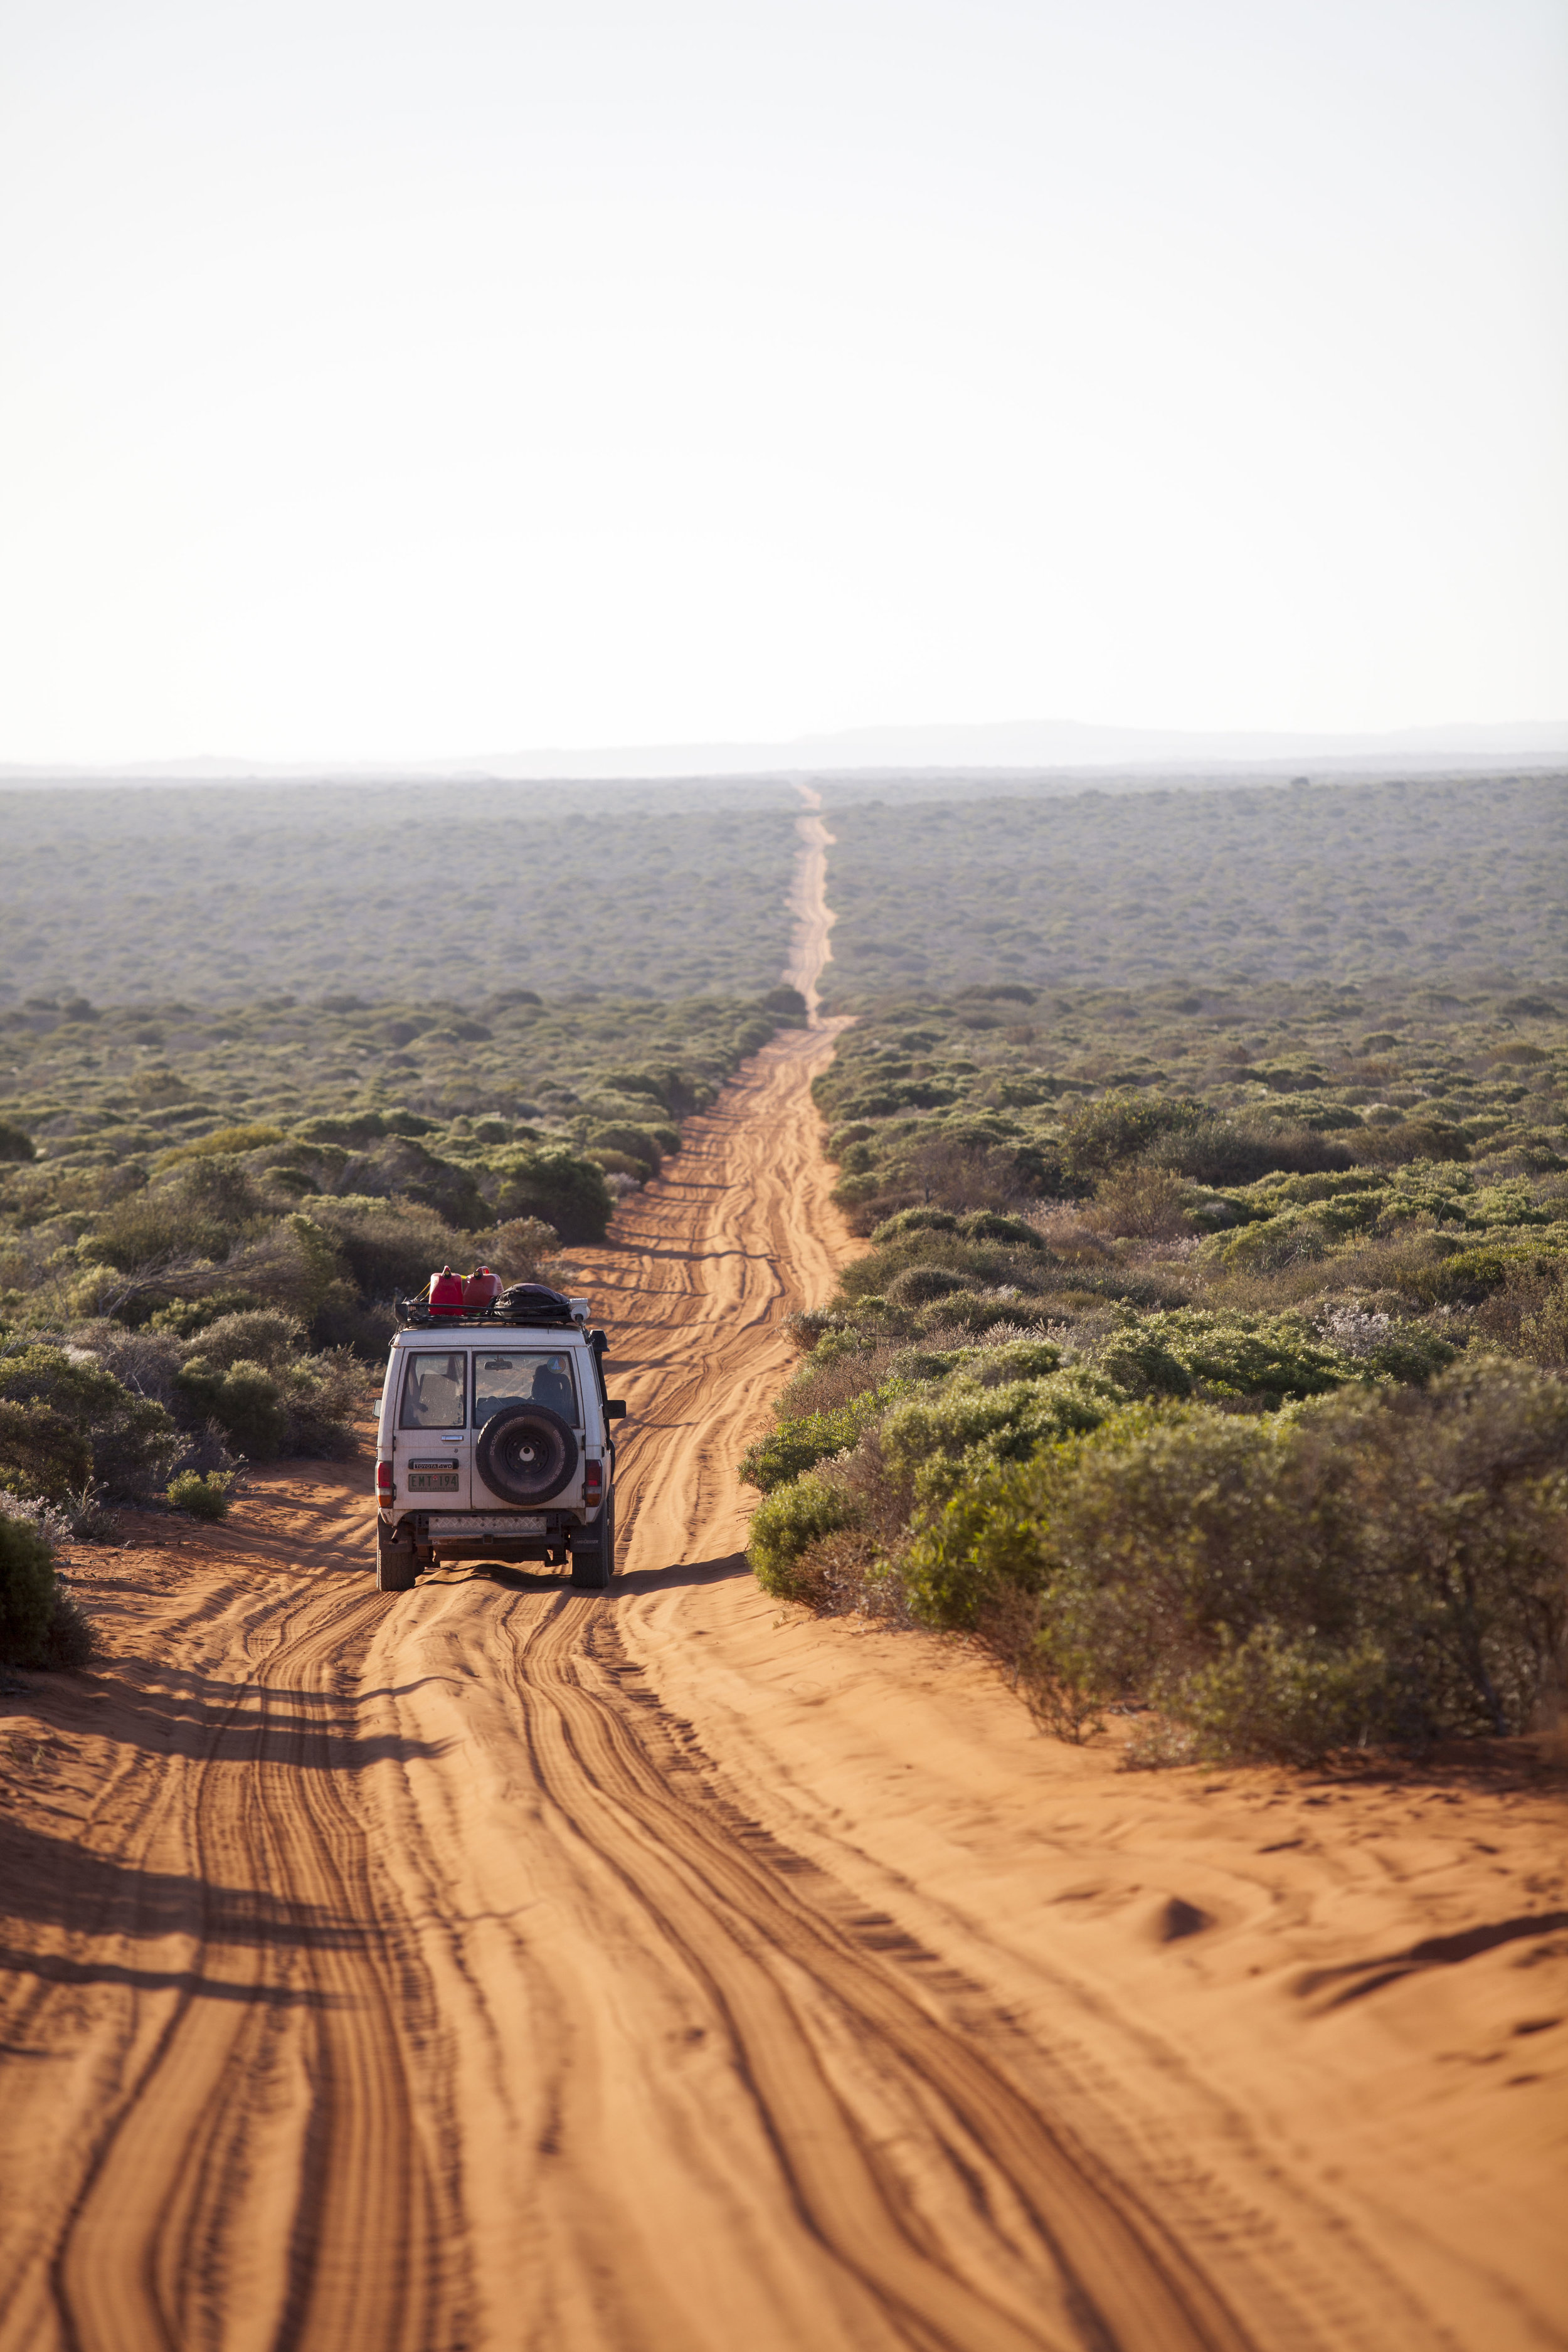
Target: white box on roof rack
<point>579,1310</point>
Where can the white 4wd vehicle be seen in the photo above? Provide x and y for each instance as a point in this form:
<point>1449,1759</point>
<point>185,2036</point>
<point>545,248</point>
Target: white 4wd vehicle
<point>494,1441</point>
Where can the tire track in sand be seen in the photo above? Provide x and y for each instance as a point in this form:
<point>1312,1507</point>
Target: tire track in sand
<point>478,2016</point>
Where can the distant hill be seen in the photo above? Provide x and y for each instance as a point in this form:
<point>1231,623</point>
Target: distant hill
<point>1039,746</point>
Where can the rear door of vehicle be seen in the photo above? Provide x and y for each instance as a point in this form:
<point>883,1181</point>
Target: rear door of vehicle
<point>435,1434</point>
<point>509,1373</point>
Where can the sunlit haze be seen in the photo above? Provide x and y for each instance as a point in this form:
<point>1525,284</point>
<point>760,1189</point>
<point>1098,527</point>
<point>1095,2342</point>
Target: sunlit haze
<point>382,381</point>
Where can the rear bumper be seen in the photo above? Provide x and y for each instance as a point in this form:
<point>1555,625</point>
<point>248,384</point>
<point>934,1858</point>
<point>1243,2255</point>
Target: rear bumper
<point>490,1534</point>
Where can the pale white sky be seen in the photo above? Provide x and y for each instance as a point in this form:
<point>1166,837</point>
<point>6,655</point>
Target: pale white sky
<point>379,379</point>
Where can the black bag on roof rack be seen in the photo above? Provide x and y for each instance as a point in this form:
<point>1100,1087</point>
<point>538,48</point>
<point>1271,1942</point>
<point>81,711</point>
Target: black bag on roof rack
<point>533,1302</point>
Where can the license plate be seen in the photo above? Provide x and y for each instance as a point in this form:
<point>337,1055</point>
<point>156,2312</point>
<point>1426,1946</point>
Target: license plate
<point>433,1478</point>
<point>476,1523</point>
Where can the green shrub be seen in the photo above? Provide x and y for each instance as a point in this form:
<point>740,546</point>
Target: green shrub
<point>1295,1237</point>
<point>244,1399</point>
<point>990,1225</point>
<point>27,1592</point>
<point>557,1185</point>
<point>1421,1139</point>
<point>1411,1353</point>
<point>787,1524</point>
<point>226,1141</point>
<point>69,1641</point>
<point>322,1395</point>
<point>203,1495</point>
<point>64,1419</point>
<point>384,1253</point>
<point>1543,1327</point>
<point>43,1452</point>
<point>1011,1419</point>
<point>911,1221</point>
<point>645,1143</point>
<point>1282,1700</point>
<point>1378,1563</point>
<point>918,1285</point>
<point>15,1143</point>
<point>1099,1135</point>
<point>1215,1151</point>
<point>967,1310</point>
<point>185,1317</point>
<point>802,1441</point>
<point>1012,1359</point>
<point>1452,1503</point>
<point>252,1335</point>
<point>1461,1278</point>
<point>1267,1357</point>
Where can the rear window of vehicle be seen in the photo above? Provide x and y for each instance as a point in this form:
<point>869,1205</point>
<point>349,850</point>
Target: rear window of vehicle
<point>433,1389</point>
<point>509,1375</point>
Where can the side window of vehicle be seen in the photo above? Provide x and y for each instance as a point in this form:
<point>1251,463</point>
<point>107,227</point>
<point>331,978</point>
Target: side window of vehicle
<point>434,1389</point>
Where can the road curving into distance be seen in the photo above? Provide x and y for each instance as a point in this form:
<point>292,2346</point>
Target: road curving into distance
<point>499,1966</point>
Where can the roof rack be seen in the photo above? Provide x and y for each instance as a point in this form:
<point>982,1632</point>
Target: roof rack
<point>416,1315</point>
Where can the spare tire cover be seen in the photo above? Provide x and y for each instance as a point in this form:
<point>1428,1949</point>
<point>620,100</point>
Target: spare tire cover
<point>525,1453</point>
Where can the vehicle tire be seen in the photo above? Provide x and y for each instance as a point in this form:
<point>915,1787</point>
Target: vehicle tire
<point>592,1570</point>
<point>396,1567</point>
<point>526,1454</point>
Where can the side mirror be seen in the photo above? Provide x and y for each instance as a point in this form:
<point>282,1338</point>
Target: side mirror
<point>615,1408</point>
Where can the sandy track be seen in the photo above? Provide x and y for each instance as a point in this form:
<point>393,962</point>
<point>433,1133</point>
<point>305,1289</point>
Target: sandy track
<point>474,2012</point>
<point>499,1966</point>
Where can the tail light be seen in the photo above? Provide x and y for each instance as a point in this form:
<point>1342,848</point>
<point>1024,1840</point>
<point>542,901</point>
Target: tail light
<point>593,1482</point>
<point>383,1482</point>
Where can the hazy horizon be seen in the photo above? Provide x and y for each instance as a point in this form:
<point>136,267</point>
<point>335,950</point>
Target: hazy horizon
<point>1064,748</point>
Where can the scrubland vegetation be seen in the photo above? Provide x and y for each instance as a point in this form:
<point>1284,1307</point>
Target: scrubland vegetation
<point>413,893</point>
<point>206,1214</point>
<point>1209,1361</point>
<point>1315,883</point>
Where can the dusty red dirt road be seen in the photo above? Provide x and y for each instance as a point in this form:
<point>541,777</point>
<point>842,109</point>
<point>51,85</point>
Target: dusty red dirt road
<point>659,1971</point>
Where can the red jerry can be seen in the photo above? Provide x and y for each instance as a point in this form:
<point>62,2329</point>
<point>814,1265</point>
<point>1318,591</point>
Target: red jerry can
<point>481,1289</point>
<point>445,1292</point>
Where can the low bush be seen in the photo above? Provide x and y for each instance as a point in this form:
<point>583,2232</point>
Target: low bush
<point>1279,1700</point>
<point>1527,1313</point>
<point>1101,1135</point>
<point>65,1419</point>
<point>799,1444</point>
<point>557,1186</point>
<point>27,1592</point>
<point>203,1496</point>
<point>273,1402</point>
<point>1376,1565</point>
<point>1189,1351</point>
<point>786,1525</point>
<point>1010,1420</point>
<point>918,1285</point>
<point>41,1624</point>
<point>244,1397</point>
<point>1215,1151</point>
<point>1269,1225</point>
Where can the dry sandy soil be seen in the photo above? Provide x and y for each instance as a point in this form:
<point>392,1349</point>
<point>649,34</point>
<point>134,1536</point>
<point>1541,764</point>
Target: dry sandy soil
<point>497,1966</point>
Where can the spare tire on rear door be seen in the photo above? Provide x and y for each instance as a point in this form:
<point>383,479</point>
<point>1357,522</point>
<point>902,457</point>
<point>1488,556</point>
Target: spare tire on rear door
<point>525,1453</point>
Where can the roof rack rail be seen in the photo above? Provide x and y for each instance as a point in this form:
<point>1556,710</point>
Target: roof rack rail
<point>416,1315</point>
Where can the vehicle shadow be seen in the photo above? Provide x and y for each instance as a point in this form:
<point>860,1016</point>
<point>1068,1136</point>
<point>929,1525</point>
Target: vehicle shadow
<point>559,1580</point>
<point>169,1712</point>
<point>58,1885</point>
